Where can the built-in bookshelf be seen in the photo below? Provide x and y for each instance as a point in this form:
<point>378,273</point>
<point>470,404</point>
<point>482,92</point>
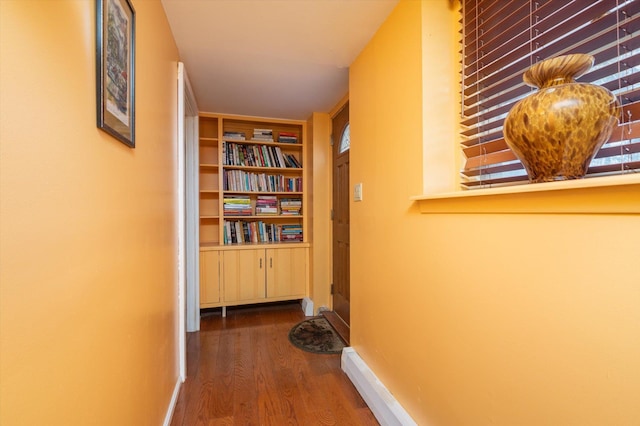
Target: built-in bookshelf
<point>253,205</point>
<point>252,181</point>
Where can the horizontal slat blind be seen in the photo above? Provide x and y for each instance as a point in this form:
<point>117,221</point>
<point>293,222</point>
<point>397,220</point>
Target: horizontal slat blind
<point>502,39</point>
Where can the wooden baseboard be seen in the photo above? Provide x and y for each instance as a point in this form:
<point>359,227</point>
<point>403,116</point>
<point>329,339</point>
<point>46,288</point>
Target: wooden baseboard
<point>382,404</point>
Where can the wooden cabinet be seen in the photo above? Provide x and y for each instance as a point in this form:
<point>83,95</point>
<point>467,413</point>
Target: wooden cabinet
<point>263,275</point>
<point>209,279</point>
<point>238,276</point>
<point>244,276</point>
<point>253,210</point>
<point>286,272</point>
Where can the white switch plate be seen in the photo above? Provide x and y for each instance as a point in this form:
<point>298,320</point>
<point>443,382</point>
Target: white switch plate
<point>357,192</point>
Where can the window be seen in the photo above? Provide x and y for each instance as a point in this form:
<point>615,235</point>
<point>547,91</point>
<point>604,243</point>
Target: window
<point>345,139</point>
<point>501,40</point>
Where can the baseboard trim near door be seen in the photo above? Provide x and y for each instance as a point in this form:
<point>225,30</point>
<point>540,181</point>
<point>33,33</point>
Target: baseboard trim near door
<point>307,307</point>
<point>172,404</point>
<point>382,404</point>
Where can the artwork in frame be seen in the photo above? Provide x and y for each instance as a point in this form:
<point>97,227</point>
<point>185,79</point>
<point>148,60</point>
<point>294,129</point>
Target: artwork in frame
<point>115,69</point>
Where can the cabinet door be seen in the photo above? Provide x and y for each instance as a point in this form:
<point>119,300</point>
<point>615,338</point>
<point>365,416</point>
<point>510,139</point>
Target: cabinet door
<point>243,275</point>
<point>286,272</point>
<point>209,278</point>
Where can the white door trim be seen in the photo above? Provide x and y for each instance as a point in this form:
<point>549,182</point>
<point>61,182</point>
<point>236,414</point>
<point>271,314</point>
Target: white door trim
<point>192,189</point>
<point>187,116</point>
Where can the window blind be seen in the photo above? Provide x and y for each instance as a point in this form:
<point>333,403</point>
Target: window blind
<point>502,39</point>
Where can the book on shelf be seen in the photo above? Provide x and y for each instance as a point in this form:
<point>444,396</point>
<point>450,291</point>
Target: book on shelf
<point>247,235</point>
<point>291,233</point>
<point>288,137</point>
<point>266,205</point>
<point>292,162</point>
<point>237,205</point>
<point>234,154</point>
<point>240,180</point>
<point>263,135</point>
<point>235,135</point>
<point>290,206</point>
<point>242,231</point>
<point>279,157</point>
<point>267,156</point>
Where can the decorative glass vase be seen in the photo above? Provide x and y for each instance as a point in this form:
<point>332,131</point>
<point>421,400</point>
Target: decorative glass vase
<point>556,131</point>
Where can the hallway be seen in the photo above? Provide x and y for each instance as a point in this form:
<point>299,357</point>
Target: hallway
<point>242,370</point>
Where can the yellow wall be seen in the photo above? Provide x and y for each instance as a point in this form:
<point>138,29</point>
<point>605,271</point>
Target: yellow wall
<point>502,319</point>
<point>87,225</point>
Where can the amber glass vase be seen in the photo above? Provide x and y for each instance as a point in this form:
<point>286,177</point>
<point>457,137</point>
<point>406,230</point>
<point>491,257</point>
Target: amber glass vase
<point>556,131</point>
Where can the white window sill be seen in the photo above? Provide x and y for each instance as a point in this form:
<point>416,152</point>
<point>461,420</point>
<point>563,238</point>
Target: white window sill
<point>603,195</point>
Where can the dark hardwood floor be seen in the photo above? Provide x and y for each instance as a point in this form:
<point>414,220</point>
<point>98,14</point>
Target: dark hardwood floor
<point>242,370</point>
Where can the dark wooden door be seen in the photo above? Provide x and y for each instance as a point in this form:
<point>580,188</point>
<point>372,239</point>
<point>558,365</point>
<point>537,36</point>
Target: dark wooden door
<point>341,142</point>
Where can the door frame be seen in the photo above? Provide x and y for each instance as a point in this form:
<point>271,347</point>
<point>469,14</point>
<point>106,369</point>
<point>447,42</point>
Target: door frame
<point>335,139</point>
<point>187,184</point>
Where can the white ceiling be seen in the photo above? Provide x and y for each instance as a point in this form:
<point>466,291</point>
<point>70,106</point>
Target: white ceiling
<point>272,58</point>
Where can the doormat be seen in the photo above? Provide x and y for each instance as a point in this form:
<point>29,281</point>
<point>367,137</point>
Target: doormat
<point>317,336</point>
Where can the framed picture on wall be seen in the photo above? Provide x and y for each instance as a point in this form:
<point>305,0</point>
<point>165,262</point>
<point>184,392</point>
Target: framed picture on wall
<point>115,69</point>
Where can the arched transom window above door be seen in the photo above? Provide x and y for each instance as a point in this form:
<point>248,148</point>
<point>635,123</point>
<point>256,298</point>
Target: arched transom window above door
<point>345,139</point>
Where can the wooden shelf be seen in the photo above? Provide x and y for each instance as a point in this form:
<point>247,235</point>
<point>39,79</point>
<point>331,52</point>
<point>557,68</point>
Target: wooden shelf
<point>265,217</point>
<point>267,143</point>
<point>262,192</point>
<point>271,170</point>
<point>214,146</point>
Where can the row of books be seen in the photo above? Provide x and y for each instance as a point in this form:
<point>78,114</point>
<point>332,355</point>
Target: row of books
<point>263,135</point>
<point>288,137</point>
<point>290,206</point>
<point>266,205</point>
<point>291,233</point>
<point>240,231</point>
<point>234,154</point>
<point>239,180</point>
<point>235,135</point>
<point>237,205</point>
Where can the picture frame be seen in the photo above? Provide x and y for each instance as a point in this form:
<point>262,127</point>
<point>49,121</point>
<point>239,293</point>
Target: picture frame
<point>115,69</point>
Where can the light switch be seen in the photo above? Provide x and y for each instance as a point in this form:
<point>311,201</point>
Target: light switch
<point>357,192</point>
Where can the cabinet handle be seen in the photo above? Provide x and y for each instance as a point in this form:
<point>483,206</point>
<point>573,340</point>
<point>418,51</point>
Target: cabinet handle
<point>271,262</point>
<point>260,263</point>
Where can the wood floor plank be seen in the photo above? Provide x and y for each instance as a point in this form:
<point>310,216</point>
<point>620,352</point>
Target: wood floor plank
<point>313,396</point>
<point>222,404</point>
<point>366,416</point>
<point>225,421</point>
<point>242,370</point>
<point>245,392</point>
<point>272,402</point>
